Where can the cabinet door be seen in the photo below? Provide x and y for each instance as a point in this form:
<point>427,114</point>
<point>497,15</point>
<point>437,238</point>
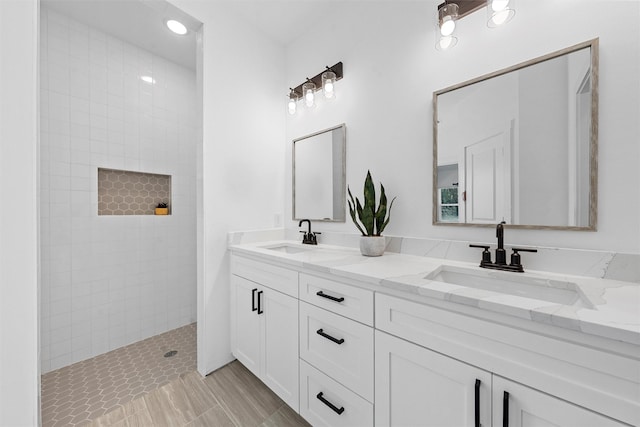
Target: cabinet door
<point>246,323</point>
<point>279,325</point>
<point>527,407</point>
<point>418,387</point>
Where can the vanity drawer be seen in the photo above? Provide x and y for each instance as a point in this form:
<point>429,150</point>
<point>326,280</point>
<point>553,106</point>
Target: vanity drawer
<point>349,301</point>
<point>278,278</point>
<point>339,347</point>
<point>316,409</point>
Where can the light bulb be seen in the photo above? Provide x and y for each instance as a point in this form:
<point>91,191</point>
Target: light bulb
<point>307,91</point>
<point>448,26</point>
<point>292,106</point>
<point>328,79</point>
<point>498,5</point>
<point>309,98</point>
<point>500,12</point>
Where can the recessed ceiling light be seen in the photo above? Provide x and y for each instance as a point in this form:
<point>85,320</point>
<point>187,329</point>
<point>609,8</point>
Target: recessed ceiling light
<point>177,27</point>
<point>148,79</point>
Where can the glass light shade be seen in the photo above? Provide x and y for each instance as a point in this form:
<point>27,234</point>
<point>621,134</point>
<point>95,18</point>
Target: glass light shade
<point>328,81</point>
<point>308,94</point>
<point>292,106</point>
<point>500,12</point>
<point>177,27</point>
<point>444,42</point>
<point>447,16</point>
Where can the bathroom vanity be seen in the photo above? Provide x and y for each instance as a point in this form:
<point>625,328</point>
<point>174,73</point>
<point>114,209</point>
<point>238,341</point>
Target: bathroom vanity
<point>403,340</point>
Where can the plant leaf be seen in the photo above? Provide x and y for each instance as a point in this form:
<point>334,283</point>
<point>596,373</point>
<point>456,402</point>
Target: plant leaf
<point>352,211</point>
<point>369,209</point>
<point>382,211</point>
<point>389,216</point>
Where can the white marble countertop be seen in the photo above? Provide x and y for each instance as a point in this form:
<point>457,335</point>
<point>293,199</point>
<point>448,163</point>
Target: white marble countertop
<point>606,308</point>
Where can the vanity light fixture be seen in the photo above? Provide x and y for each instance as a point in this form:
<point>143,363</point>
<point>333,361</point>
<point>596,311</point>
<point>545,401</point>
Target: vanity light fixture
<point>447,17</point>
<point>500,12</point>
<point>328,82</point>
<point>307,90</point>
<point>292,105</point>
<point>177,27</point>
<point>308,94</point>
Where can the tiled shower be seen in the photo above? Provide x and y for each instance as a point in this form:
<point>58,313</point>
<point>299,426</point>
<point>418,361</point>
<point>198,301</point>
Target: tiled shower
<point>111,280</point>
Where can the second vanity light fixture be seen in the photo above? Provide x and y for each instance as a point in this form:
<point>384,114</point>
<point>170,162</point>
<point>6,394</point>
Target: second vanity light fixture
<point>307,91</point>
<point>498,12</point>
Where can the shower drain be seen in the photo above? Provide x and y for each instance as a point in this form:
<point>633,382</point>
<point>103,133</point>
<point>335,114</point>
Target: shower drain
<point>171,353</point>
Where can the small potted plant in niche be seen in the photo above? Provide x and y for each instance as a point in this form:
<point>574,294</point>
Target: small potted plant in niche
<point>162,209</point>
<point>372,220</point>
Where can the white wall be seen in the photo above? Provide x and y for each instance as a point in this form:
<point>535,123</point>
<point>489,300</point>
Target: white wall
<point>243,158</point>
<point>392,68</point>
<point>108,281</point>
<point>19,372</point>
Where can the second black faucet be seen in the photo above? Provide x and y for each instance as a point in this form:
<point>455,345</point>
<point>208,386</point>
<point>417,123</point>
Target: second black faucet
<point>501,254</point>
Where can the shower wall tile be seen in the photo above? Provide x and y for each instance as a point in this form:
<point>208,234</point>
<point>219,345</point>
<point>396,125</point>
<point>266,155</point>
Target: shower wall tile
<point>107,281</point>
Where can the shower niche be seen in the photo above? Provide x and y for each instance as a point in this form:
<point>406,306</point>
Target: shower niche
<point>122,192</point>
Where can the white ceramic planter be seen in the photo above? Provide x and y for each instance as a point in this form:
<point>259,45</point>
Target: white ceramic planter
<point>372,245</point>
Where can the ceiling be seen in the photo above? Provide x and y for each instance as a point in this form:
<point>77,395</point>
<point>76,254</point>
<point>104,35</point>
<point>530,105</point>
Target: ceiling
<point>141,22</point>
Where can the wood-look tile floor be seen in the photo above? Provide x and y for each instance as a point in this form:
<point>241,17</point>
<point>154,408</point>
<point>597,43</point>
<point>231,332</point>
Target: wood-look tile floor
<point>231,396</point>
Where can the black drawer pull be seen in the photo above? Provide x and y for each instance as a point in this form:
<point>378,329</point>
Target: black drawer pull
<point>260,303</point>
<point>323,295</point>
<point>477,412</point>
<point>505,410</point>
<point>334,408</point>
<point>329,337</point>
<point>253,299</point>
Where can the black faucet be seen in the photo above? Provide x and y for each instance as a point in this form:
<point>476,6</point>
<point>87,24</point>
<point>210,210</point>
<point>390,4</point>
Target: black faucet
<point>309,237</point>
<point>501,254</point>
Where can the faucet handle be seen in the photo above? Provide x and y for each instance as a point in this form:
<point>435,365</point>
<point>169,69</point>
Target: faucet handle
<point>516,250</point>
<point>515,257</point>
<point>486,255</point>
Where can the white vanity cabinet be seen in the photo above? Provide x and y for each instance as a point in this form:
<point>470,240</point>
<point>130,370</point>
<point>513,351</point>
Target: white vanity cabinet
<point>425,382</point>
<point>336,352</point>
<point>526,407</point>
<point>419,387</point>
<point>264,325</point>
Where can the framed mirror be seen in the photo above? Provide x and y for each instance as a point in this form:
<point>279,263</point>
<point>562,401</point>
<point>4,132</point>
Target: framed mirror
<point>520,145</point>
<point>319,175</point>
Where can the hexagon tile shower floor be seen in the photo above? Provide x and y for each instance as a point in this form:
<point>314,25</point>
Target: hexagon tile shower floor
<point>81,392</point>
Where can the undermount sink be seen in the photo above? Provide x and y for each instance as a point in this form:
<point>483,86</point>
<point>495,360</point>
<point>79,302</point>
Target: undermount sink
<point>289,249</point>
<point>550,290</point>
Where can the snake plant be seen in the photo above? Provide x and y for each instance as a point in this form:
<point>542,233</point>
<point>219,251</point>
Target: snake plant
<point>372,220</point>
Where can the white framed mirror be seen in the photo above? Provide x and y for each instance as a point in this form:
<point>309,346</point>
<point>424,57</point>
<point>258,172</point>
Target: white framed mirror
<point>319,175</point>
<point>520,145</point>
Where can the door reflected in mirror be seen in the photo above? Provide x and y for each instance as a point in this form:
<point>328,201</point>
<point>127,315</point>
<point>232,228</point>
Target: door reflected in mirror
<point>520,145</point>
<point>319,175</point>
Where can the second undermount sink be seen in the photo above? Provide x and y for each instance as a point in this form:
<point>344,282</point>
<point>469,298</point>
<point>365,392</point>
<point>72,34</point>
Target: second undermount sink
<point>539,288</point>
<point>289,249</point>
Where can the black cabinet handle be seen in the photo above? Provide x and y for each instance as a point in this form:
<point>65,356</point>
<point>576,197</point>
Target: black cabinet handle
<point>260,303</point>
<point>477,413</point>
<point>505,410</point>
<point>323,295</point>
<point>253,299</point>
<point>333,407</point>
<point>329,337</point>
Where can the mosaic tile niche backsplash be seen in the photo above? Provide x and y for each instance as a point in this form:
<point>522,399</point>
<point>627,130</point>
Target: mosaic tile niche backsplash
<point>123,192</point>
